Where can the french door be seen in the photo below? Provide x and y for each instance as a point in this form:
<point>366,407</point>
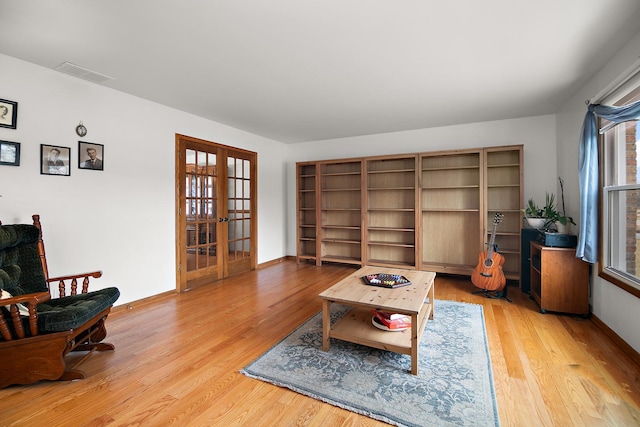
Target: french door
<point>216,211</point>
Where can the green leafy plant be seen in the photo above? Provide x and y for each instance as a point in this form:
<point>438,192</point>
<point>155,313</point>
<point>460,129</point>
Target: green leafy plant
<point>532,210</point>
<point>552,215</point>
<point>549,211</point>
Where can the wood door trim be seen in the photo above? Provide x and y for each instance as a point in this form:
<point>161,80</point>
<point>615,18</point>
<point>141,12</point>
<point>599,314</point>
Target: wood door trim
<point>180,232</point>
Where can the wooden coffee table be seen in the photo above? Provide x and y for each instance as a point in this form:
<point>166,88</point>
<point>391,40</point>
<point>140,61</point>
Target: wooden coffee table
<point>415,300</point>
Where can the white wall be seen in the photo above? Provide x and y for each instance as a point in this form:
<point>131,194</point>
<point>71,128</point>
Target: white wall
<point>120,220</point>
<point>537,134</point>
<point>616,308</point>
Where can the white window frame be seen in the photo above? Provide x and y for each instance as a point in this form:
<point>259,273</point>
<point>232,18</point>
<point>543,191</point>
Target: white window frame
<point>613,244</point>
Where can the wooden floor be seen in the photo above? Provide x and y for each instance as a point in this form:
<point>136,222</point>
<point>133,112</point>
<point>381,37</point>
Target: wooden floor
<point>177,361</point>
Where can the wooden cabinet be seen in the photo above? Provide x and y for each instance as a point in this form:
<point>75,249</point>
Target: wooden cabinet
<point>559,280</point>
<point>391,197</point>
<point>428,211</point>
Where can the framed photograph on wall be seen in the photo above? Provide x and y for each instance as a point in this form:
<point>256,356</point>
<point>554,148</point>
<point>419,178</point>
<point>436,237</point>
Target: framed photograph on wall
<point>55,160</point>
<point>90,156</point>
<point>8,114</point>
<point>9,153</point>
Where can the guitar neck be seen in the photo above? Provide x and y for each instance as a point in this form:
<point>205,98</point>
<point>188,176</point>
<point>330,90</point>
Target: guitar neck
<point>492,241</point>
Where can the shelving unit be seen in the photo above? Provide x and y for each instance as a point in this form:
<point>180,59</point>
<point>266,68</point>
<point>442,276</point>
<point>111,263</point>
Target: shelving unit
<point>391,201</point>
<point>341,211</point>
<point>504,194</point>
<point>307,211</point>
<point>425,211</point>
<point>451,210</point>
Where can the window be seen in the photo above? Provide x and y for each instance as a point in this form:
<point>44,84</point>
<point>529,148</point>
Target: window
<point>620,182</point>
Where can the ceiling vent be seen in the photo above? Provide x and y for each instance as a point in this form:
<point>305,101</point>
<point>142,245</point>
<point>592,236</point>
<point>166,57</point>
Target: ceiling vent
<point>83,73</point>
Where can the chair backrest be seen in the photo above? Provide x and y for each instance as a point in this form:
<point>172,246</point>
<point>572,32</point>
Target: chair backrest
<point>21,267</point>
<point>41,252</point>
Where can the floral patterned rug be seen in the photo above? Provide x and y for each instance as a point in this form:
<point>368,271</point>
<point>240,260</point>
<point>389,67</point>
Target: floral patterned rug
<point>454,386</point>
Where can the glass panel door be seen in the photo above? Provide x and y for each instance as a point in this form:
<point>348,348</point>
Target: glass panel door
<point>239,212</point>
<point>201,210</point>
<point>216,216</point>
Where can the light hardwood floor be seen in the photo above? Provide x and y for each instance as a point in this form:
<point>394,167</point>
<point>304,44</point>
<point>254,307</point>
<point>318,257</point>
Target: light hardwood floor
<point>177,362</point>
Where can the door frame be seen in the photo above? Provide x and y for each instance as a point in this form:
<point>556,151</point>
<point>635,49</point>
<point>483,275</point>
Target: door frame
<point>180,219</point>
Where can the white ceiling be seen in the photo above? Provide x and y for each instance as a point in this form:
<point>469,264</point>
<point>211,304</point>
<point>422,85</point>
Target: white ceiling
<point>305,70</point>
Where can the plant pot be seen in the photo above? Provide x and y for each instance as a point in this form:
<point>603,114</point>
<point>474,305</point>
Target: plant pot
<point>564,229</point>
<point>536,222</point>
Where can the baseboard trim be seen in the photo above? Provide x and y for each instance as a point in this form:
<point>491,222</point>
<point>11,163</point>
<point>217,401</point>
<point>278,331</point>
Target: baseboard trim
<point>616,339</point>
<point>275,261</point>
<point>131,305</point>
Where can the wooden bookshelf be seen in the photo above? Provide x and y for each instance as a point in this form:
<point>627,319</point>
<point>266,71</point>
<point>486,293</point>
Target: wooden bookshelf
<point>428,211</point>
<point>451,216</point>
<point>341,211</point>
<point>504,194</point>
<point>391,201</point>
<point>306,212</point>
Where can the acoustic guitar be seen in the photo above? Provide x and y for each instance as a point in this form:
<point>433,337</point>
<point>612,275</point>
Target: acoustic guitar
<point>488,273</point>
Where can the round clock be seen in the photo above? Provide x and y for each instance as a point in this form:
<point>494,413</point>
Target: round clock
<point>81,130</point>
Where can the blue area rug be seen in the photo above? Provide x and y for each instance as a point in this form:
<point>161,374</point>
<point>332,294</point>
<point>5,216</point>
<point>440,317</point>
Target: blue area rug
<point>454,386</point>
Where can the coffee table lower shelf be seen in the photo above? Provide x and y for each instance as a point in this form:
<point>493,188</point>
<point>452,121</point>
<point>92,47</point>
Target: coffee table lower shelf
<point>356,327</point>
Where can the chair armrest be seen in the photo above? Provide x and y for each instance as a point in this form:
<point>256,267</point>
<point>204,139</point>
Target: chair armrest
<point>73,282</point>
<point>31,301</point>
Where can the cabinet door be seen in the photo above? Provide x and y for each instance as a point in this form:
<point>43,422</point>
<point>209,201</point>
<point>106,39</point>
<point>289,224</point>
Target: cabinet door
<point>451,187</point>
<point>340,211</point>
<point>391,201</point>
<point>503,179</point>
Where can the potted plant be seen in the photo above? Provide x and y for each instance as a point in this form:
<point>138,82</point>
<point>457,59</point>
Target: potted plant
<point>548,217</point>
<point>553,218</point>
<point>534,215</point>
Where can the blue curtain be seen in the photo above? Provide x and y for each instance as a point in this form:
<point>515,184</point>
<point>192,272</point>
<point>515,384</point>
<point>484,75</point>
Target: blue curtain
<point>588,173</point>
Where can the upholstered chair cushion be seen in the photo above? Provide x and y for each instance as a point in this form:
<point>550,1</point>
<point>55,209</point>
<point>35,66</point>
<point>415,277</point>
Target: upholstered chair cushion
<point>61,314</point>
<point>20,266</point>
<point>21,273</point>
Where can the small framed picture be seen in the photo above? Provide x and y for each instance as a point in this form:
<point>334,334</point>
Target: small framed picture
<point>90,156</point>
<point>55,160</point>
<point>9,153</point>
<point>8,114</point>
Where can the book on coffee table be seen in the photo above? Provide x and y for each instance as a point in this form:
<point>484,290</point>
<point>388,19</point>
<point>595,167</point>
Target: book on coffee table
<point>391,321</point>
<point>378,324</point>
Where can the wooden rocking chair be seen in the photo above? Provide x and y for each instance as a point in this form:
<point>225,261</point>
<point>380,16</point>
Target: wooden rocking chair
<point>37,331</point>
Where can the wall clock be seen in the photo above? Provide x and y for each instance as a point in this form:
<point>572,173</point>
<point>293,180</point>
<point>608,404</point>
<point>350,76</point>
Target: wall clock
<point>81,130</point>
